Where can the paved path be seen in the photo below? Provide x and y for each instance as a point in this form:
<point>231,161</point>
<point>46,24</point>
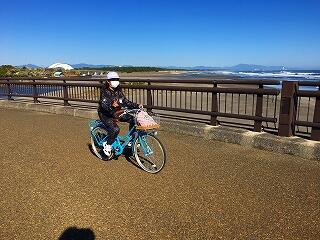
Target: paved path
<point>50,181</point>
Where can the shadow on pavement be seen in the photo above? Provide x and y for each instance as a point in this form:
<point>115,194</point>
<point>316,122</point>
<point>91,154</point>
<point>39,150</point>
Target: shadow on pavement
<point>131,160</point>
<point>91,150</point>
<point>74,233</point>
<point>127,154</point>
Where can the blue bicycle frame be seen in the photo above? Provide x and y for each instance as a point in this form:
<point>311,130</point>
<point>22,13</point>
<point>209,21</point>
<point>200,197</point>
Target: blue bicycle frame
<point>122,141</point>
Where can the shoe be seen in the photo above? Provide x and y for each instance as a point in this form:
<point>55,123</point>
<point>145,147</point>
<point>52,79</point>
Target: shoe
<point>107,149</point>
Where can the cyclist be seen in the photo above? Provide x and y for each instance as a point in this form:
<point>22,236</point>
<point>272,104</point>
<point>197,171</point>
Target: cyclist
<point>111,101</point>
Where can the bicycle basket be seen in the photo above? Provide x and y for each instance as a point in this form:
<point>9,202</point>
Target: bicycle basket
<point>147,120</point>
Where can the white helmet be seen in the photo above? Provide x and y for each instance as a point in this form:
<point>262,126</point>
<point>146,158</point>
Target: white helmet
<point>112,75</point>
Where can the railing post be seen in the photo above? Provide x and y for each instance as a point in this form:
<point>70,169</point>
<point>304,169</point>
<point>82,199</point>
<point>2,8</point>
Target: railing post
<point>65,94</point>
<point>149,97</point>
<point>259,105</point>
<point>35,92</point>
<point>214,106</point>
<point>288,108</point>
<point>315,132</point>
<point>9,90</point>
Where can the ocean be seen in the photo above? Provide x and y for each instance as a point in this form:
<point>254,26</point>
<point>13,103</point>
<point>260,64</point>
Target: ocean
<point>292,75</point>
<point>310,75</point>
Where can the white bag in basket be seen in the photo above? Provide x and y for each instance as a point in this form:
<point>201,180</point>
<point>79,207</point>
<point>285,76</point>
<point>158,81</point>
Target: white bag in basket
<point>145,120</point>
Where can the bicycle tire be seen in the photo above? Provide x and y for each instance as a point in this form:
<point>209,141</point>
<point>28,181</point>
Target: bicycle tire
<point>145,162</point>
<point>98,151</point>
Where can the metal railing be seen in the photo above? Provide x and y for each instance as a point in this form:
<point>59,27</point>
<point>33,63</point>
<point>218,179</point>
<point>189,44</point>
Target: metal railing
<point>308,110</point>
<point>251,104</point>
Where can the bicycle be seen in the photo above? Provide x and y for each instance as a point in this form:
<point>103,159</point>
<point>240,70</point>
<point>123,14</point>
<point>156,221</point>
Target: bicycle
<point>146,147</point>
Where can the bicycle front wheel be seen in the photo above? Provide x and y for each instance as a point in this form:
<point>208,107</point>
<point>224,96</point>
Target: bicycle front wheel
<point>150,153</point>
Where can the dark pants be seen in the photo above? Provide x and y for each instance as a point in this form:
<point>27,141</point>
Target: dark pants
<point>112,127</point>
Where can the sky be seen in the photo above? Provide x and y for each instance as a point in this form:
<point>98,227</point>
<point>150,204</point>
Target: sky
<point>161,33</point>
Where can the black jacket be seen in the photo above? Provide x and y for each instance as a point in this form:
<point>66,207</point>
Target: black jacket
<point>106,98</point>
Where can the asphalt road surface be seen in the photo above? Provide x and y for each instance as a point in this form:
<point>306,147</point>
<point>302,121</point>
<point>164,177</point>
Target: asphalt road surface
<point>52,186</point>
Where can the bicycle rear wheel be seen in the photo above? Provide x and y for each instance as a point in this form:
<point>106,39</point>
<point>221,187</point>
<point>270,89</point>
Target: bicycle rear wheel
<point>100,135</point>
<point>150,153</point>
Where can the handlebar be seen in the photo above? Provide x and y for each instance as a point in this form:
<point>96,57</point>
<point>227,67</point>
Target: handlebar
<point>131,112</point>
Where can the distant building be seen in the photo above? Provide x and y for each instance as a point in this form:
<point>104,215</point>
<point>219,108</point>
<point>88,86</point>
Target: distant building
<point>63,66</point>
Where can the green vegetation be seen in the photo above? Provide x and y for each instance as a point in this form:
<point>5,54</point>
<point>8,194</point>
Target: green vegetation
<point>11,71</point>
<point>6,70</point>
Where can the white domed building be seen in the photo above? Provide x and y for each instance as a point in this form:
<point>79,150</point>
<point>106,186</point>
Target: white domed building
<point>63,66</point>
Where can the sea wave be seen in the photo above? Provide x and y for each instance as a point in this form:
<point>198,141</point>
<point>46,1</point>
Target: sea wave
<point>282,74</point>
<point>297,75</point>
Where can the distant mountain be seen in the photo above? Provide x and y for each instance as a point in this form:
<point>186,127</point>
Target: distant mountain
<point>173,67</point>
<point>252,67</point>
<point>206,68</point>
<point>196,68</point>
<point>239,67</point>
<point>30,66</point>
<point>85,65</point>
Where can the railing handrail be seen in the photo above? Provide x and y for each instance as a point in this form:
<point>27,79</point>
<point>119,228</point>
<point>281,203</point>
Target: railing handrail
<point>309,83</point>
<point>216,80</point>
<point>158,80</point>
<point>52,83</point>
<point>308,93</point>
<point>263,91</point>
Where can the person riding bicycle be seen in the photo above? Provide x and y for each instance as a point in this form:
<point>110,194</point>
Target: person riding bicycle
<point>112,100</point>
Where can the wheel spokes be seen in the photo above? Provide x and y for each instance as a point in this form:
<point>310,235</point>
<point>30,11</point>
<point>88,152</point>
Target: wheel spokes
<point>151,156</point>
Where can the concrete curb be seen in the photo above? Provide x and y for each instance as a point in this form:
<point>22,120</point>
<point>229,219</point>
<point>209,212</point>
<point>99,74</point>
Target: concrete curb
<point>289,145</point>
